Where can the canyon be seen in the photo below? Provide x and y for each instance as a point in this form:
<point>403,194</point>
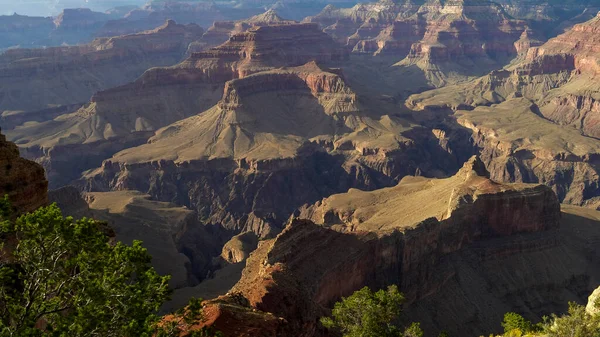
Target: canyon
<point>476,241</point>
<point>163,95</point>
<point>230,163</point>
<point>551,93</point>
<point>273,164</point>
<point>39,84</point>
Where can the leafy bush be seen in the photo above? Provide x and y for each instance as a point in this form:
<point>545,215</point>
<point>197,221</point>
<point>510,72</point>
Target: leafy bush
<point>577,323</point>
<point>369,314</point>
<point>63,277</point>
<point>513,321</point>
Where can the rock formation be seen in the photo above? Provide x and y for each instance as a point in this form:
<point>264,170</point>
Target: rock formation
<point>593,304</point>
<point>178,245</point>
<point>19,30</point>
<point>22,180</point>
<point>128,115</point>
<point>298,129</point>
<point>552,88</point>
<point>360,25</point>
<point>462,38</point>
<point>70,27</point>
<point>438,42</point>
<point>34,80</point>
<point>221,31</point>
<point>239,247</point>
<point>464,250</point>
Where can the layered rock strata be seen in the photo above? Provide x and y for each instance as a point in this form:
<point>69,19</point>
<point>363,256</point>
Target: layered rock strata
<point>454,247</point>
<point>296,129</point>
<point>221,31</point>
<point>554,88</point>
<point>37,79</point>
<point>462,38</point>
<point>128,115</point>
<point>22,180</point>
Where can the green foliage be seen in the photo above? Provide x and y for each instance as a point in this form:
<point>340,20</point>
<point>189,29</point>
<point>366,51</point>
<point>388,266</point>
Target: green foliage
<point>413,330</point>
<point>60,277</point>
<point>369,314</point>
<point>577,323</point>
<point>444,334</point>
<point>513,321</point>
<point>65,276</point>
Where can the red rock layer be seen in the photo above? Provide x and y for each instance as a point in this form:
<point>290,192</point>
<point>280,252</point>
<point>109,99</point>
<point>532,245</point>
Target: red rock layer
<point>261,46</point>
<point>308,267</point>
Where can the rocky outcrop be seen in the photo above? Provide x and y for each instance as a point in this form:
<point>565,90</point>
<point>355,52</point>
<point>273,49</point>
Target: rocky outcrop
<point>462,228</point>
<point>239,248</point>
<point>555,82</point>
<point>233,316</point>
<point>128,115</point>
<point>592,304</point>
<point>22,180</point>
<point>221,31</point>
<point>464,37</point>
<point>37,79</point>
<point>300,129</point>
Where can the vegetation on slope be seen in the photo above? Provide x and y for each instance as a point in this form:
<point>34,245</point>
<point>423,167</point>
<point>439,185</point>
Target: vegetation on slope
<point>576,323</point>
<point>62,277</point>
<point>370,314</point>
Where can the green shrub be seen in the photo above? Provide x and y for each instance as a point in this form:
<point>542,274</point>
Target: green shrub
<point>62,277</point>
<point>369,314</point>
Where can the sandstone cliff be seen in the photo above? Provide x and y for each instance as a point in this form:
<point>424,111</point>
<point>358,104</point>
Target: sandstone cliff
<point>368,27</point>
<point>221,31</point>
<point>464,250</point>
<point>128,115</point>
<point>298,129</point>
<point>462,39</point>
<point>554,82</point>
<point>22,180</point>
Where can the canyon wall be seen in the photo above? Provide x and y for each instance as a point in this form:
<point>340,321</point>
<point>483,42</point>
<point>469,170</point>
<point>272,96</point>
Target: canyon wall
<point>296,129</point>
<point>435,261</point>
<point>22,180</point>
<point>37,79</point>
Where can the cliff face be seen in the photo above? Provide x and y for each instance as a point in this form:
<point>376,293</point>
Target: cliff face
<point>22,180</point>
<point>553,87</point>
<point>371,27</point>
<point>296,129</point>
<point>221,31</point>
<point>463,38</point>
<point>431,244</point>
<point>128,115</point>
<point>38,79</point>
